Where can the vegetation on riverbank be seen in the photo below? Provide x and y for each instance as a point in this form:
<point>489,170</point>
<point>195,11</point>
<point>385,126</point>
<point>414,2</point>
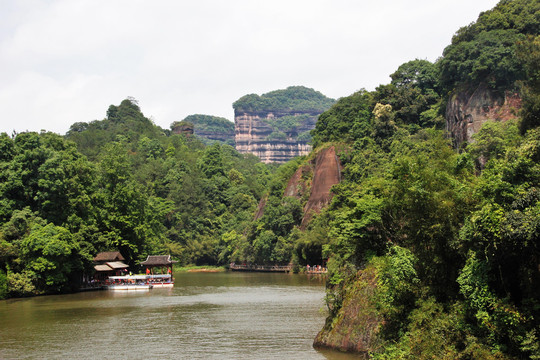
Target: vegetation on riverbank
<point>199,268</point>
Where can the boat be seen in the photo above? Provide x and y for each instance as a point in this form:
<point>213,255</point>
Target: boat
<point>161,281</point>
<point>128,282</point>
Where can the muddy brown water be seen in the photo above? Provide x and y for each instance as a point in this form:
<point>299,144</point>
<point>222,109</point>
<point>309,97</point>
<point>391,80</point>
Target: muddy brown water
<point>205,316</point>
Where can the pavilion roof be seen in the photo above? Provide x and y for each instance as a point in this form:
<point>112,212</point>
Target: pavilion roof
<point>109,256</point>
<point>158,260</point>
<point>117,265</point>
<point>102,268</point>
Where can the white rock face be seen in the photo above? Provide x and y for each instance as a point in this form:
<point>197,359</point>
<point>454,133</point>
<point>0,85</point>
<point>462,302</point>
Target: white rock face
<point>255,135</point>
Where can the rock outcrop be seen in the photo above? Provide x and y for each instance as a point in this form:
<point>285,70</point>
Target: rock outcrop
<point>255,134</point>
<point>357,323</point>
<point>326,173</point>
<point>210,128</point>
<point>182,127</point>
<point>467,110</point>
<point>224,137</point>
<point>313,181</point>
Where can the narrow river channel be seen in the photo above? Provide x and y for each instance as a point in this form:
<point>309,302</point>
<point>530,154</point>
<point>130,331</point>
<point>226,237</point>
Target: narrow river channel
<point>205,316</point>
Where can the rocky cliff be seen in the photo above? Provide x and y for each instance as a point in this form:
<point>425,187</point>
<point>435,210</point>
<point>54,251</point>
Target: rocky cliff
<point>467,110</point>
<point>357,323</point>
<point>256,133</point>
<point>326,173</point>
<point>276,126</point>
<point>312,181</point>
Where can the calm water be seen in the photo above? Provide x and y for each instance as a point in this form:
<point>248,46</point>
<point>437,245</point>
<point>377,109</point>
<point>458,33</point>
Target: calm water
<point>205,316</point>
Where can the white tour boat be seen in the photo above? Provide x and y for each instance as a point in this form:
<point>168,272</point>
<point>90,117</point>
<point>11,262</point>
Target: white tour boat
<point>128,282</point>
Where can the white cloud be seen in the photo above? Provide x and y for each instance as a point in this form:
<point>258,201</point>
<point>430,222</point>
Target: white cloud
<point>63,61</point>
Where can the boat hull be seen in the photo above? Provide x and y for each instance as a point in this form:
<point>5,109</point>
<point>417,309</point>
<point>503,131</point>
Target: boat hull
<point>130,287</point>
<point>167,285</point>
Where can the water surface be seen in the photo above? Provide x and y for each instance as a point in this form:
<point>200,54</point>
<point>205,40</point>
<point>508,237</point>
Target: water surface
<point>205,316</point>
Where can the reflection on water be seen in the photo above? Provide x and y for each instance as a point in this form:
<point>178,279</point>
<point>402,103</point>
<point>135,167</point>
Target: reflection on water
<point>205,316</point>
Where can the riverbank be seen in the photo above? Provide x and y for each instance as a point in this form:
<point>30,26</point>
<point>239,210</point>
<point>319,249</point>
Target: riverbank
<point>201,268</point>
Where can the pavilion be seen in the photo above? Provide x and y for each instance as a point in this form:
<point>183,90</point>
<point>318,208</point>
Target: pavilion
<point>158,261</point>
<point>109,263</point>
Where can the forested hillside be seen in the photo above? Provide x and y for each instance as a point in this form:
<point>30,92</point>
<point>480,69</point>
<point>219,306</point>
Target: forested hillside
<point>433,250</point>
<point>121,183</point>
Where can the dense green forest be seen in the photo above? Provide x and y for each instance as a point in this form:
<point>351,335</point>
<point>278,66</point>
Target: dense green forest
<point>447,239</point>
<point>448,244</point>
<point>119,183</point>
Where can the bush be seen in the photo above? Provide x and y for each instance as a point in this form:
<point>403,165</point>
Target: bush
<point>3,285</point>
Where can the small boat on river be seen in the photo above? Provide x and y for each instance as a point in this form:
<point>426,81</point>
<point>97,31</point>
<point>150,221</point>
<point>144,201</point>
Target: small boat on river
<point>128,282</point>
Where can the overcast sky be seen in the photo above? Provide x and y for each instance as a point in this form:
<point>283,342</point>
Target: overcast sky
<point>65,61</point>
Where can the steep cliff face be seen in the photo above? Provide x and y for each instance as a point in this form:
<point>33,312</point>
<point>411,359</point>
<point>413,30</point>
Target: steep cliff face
<point>357,324</point>
<point>326,173</point>
<point>224,137</point>
<point>312,181</point>
<point>276,126</point>
<point>255,134</point>
<point>467,110</point>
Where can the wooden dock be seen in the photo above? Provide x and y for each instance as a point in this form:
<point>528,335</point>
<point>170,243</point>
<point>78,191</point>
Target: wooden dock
<point>261,268</point>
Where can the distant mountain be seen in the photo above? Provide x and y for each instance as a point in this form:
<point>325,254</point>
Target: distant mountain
<point>276,126</point>
<point>210,128</point>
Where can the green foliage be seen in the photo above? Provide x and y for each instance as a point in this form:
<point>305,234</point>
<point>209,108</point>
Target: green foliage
<point>206,123</point>
<point>289,126</point>
<point>444,253</point>
<point>290,100</point>
<point>21,284</point>
<point>208,128</point>
<point>528,52</point>
<point>3,285</point>
<point>485,51</point>
<point>493,139</point>
<point>420,74</point>
<point>124,121</point>
<point>143,191</point>
<point>349,119</point>
<point>50,253</point>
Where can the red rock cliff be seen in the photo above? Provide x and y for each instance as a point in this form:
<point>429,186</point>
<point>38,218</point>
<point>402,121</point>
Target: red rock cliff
<point>326,173</point>
<point>469,109</point>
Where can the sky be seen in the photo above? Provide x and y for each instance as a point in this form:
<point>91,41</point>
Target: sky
<point>67,61</point>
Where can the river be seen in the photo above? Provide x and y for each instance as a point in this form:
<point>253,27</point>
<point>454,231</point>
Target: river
<point>205,316</point>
